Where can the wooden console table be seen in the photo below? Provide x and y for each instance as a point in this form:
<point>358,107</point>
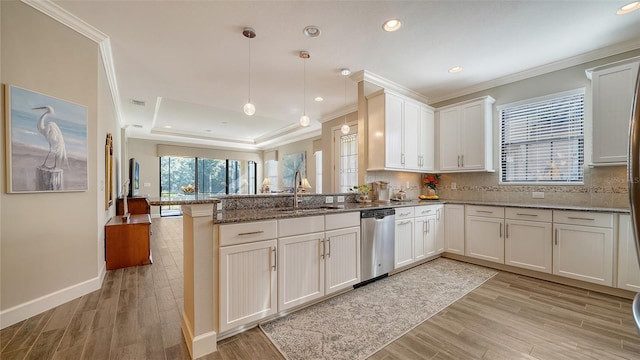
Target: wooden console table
<point>136,205</point>
<point>127,243</point>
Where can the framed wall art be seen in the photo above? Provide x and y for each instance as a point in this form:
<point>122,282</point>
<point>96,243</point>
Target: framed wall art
<point>290,164</point>
<point>46,140</point>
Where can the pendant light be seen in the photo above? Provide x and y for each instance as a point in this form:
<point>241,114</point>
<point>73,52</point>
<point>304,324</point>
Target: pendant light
<point>249,108</point>
<point>345,128</point>
<point>304,119</point>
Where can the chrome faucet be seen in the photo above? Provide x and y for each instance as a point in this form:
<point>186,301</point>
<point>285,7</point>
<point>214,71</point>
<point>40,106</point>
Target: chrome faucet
<point>295,188</point>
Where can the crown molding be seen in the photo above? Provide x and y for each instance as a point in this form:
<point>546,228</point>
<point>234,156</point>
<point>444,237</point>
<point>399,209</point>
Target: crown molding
<point>66,18</point>
<point>544,69</point>
<point>368,76</point>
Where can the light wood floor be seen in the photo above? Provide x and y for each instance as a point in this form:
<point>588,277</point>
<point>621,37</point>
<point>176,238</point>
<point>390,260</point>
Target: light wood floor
<point>136,315</point>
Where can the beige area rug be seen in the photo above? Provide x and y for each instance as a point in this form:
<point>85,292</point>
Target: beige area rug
<point>359,323</point>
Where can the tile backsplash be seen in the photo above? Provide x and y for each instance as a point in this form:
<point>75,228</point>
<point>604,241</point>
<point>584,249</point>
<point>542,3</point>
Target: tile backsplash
<point>603,187</point>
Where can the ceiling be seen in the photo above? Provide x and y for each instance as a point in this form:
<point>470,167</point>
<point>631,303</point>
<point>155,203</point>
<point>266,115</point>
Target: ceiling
<point>189,62</point>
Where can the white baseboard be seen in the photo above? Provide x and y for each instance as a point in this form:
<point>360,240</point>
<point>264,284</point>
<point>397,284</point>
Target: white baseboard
<point>34,307</point>
<point>199,345</point>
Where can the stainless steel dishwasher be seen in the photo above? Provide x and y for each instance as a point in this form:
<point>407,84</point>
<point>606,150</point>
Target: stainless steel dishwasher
<point>377,244</point>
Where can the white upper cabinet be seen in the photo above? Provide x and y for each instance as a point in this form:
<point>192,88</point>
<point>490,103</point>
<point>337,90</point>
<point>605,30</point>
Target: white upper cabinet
<point>401,133</point>
<point>466,138</point>
<point>612,89</point>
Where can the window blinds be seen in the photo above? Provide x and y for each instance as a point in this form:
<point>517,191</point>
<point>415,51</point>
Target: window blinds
<point>542,140</point>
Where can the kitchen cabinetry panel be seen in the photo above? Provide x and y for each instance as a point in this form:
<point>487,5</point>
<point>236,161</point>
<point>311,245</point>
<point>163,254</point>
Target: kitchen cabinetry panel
<point>583,253</point>
<point>301,269</point>
<point>400,133</point>
<point>628,268</point>
<point>454,228</point>
<point>465,141</point>
<point>404,242</point>
<point>342,259</point>
<point>484,238</point>
<point>234,234</point>
<point>528,244</point>
<point>612,97</point>
<point>248,283</point>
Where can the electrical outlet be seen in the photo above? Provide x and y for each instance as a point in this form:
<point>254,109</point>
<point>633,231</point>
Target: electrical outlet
<point>219,206</point>
<point>340,199</point>
<point>454,186</point>
<point>537,195</point>
<point>328,200</point>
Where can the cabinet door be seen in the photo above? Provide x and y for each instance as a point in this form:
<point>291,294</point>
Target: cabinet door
<point>248,283</point>
<point>411,146</point>
<point>613,90</point>
<point>404,242</point>
<point>430,236</point>
<point>420,238</point>
<point>583,253</point>
<point>472,131</point>
<point>342,259</point>
<point>439,226</point>
<point>454,229</point>
<point>301,269</point>
<point>426,141</point>
<point>393,126</point>
<point>628,269</point>
<point>528,244</point>
<point>449,122</point>
<point>484,238</point>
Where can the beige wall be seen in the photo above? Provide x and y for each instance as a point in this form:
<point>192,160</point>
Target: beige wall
<point>52,241</point>
<point>603,186</point>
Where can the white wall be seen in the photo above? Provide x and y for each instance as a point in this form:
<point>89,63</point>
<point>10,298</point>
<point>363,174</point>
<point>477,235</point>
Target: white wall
<point>50,242</point>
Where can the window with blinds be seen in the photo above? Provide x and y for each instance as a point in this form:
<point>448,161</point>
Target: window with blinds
<point>542,139</point>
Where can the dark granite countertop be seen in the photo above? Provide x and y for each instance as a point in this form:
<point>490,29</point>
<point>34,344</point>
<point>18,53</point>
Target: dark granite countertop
<point>183,200</point>
<point>237,216</point>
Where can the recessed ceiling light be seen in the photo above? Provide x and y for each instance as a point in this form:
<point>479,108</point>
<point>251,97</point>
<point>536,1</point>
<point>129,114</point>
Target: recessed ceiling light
<point>312,31</point>
<point>345,72</point>
<point>168,126</point>
<point>391,25</point>
<point>318,98</point>
<point>630,7</point>
<point>455,69</point>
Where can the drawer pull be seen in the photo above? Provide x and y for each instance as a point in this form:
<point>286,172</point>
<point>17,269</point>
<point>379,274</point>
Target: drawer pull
<point>500,229</point>
<point>580,218</point>
<point>329,253</point>
<point>523,214</point>
<point>324,250</point>
<point>405,222</point>
<point>426,211</point>
<point>251,233</point>
<point>485,211</point>
<point>405,214</point>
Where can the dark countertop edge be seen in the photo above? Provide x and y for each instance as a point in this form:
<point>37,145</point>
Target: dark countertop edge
<point>157,202</point>
<point>239,216</point>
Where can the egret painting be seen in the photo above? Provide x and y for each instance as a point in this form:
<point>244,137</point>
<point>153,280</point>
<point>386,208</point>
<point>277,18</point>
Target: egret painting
<point>46,143</point>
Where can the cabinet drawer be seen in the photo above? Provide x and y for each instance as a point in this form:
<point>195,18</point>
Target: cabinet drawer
<point>529,214</point>
<point>583,218</point>
<point>234,234</point>
<point>404,213</point>
<point>300,225</point>
<point>486,211</point>
<point>425,210</point>
<point>343,220</point>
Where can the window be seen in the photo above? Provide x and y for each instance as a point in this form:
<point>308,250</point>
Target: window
<point>318,155</point>
<point>271,172</point>
<point>209,177</point>
<point>542,139</point>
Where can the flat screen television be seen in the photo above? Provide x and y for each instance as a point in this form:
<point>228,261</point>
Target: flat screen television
<point>134,177</point>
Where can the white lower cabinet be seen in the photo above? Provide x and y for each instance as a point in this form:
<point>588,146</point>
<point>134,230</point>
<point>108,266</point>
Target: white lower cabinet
<point>454,228</point>
<point>528,239</point>
<point>342,259</point>
<point>439,226</point>
<point>583,246</point>
<point>312,263</point>
<point>404,247</point>
<point>484,226</point>
<point>248,283</point>
<point>628,269</point>
<point>301,269</point>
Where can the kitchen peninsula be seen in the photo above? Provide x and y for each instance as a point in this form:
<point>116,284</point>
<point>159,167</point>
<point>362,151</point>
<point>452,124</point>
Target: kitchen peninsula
<point>257,224</point>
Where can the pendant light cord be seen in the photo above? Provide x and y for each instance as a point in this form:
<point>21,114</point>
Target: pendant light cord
<point>249,69</point>
<point>304,87</point>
